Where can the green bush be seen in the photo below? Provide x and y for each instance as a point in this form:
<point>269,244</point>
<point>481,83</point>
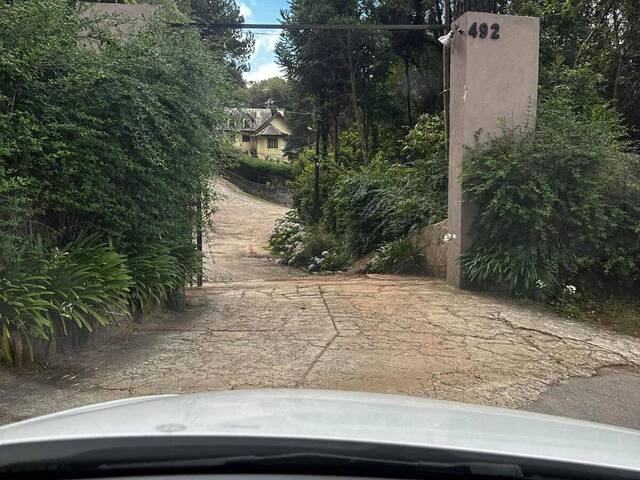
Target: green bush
<point>286,240</point>
<point>399,256</point>
<point>379,204</point>
<point>557,206</point>
<point>72,290</point>
<point>123,137</point>
<point>322,252</point>
<point>24,304</point>
<point>312,248</point>
<point>48,292</point>
<point>262,171</point>
<point>399,191</point>
<point>122,140</point>
<point>189,261</point>
<point>155,274</point>
<point>303,186</point>
<point>87,280</point>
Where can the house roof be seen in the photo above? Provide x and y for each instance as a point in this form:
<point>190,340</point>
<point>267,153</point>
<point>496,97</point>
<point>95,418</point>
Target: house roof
<point>271,131</point>
<point>255,120</point>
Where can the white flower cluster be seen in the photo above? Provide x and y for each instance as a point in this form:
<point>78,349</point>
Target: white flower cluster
<point>449,237</point>
<point>286,238</point>
<point>287,241</point>
<point>569,289</point>
<point>296,249</point>
<point>316,262</point>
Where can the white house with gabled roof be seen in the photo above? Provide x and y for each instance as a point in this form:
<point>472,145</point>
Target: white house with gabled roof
<point>261,132</point>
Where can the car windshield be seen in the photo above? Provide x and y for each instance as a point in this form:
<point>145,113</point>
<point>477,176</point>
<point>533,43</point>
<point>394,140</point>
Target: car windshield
<point>438,199</point>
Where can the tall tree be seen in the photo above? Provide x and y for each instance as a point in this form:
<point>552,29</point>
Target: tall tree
<point>406,44</point>
<point>273,92</point>
<point>600,35</point>
<point>234,45</point>
<point>338,69</point>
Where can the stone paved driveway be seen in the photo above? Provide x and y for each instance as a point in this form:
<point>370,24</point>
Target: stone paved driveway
<point>260,324</point>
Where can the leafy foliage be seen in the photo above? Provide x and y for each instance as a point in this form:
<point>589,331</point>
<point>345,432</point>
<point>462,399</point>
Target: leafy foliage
<point>273,92</point>
<point>155,273</point>
<point>313,248</point>
<point>119,138</point>
<point>286,240</point>
<point>52,292</point>
<point>354,79</point>
<point>600,36</point>
<point>107,133</point>
<point>232,45</point>
<point>262,171</point>
<point>399,256</point>
<point>87,280</point>
<point>24,303</point>
<point>365,207</point>
<point>556,207</point>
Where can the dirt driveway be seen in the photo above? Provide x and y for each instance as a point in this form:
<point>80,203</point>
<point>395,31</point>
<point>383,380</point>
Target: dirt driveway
<point>260,324</point>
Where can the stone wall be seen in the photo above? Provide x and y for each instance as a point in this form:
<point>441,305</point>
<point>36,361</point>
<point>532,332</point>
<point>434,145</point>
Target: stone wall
<point>275,193</point>
<point>430,241</point>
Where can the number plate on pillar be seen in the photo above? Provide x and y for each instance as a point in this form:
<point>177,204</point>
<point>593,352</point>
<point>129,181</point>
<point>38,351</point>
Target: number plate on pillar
<point>482,30</point>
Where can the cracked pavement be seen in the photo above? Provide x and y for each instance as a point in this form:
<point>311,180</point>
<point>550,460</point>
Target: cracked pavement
<point>257,324</point>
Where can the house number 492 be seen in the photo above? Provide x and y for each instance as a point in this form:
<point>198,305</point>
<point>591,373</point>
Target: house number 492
<point>483,30</point>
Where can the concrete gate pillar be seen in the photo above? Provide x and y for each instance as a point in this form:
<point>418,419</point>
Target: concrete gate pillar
<point>494,78</point>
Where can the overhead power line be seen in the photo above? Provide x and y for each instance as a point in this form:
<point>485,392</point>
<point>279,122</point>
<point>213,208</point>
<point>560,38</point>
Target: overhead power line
<point>311,26</point>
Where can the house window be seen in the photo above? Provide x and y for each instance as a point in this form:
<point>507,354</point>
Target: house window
<point>272,142</point>
<point>246,138</point>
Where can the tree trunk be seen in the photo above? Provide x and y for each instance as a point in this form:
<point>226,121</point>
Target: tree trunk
<point>407,78</point>
<point>316,176</point>
<point>619,50</point>
<point>199,238</point>
<point>375,138</point>
<point>336,134</point>
<point>334,117</point>
<point>325,132</point>
<point>354,99</point>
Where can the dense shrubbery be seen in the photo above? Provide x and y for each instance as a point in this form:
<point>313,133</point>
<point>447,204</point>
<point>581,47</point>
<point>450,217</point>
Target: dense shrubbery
<point>559,207</point>
<point>366,207</point>
<point>50,291</point>
<point>399,256</point>
<point>313,249</point>
<point>262,171</point>
<point>100,134</point>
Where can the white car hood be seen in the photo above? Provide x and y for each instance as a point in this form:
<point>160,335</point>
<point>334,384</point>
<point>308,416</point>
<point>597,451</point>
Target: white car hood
<point>344,416</point>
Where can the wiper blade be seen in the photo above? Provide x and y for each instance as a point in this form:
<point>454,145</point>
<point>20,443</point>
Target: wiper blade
<point>289,459</point>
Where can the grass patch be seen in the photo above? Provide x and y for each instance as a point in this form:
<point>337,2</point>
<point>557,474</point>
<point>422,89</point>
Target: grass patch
<point>619,313</point>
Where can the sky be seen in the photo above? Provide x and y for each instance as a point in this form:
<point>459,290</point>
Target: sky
<point>263,60</point>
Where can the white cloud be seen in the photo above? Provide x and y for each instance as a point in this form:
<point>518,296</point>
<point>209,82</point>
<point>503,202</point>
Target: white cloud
<point>263,72</point>
<point>264,44</point>
<point>245,11</point>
